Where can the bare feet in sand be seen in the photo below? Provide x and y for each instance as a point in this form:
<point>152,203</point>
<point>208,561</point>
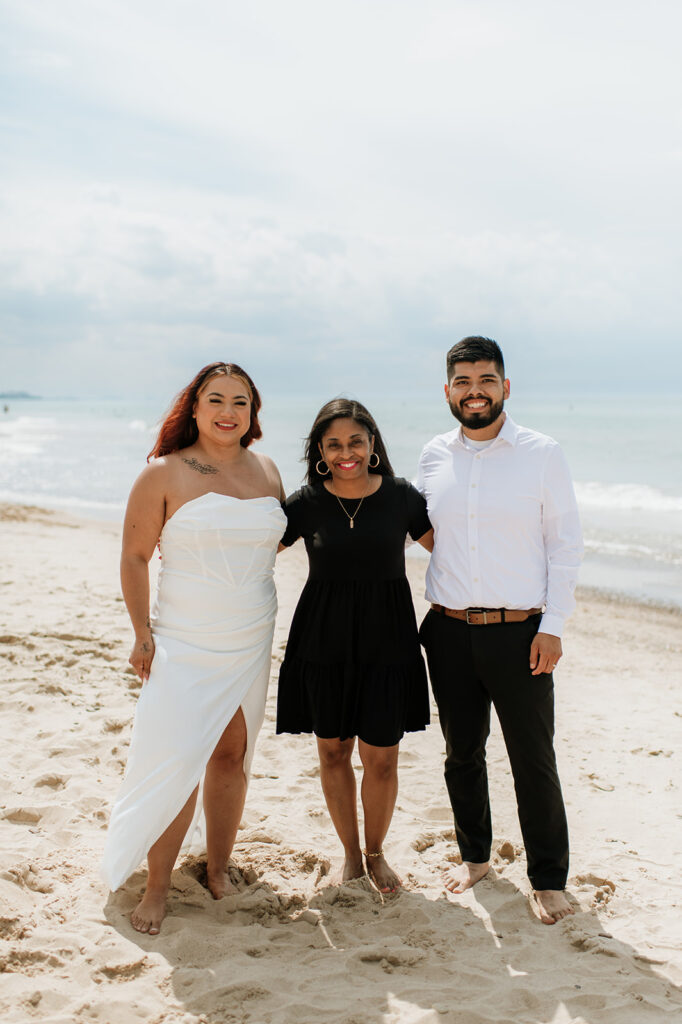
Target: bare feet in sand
<point>220,884</point>
<point>150,912</point>
<point>552,905</point>
<point>352,868</point>
<point>381,874</point>
<point>461,877</point>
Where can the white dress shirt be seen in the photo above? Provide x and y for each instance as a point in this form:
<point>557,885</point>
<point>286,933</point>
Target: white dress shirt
<point>506,526</point>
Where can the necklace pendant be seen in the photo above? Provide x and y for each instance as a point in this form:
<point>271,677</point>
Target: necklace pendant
<point>351,524</point>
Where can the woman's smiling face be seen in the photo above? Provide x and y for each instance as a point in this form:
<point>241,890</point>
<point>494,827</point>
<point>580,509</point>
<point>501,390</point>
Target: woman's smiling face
<point>346,447</point>
<point>223,409</point>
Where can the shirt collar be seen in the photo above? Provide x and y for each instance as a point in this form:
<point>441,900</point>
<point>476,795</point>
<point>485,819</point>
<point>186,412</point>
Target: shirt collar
<point>507,435</point>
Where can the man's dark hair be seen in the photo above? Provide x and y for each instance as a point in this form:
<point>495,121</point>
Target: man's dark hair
<point>473,350</point>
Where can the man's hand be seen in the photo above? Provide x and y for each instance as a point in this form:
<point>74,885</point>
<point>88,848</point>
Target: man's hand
<point>545,652</point>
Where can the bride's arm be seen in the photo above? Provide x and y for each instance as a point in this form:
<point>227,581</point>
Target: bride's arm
<point>141,530</point>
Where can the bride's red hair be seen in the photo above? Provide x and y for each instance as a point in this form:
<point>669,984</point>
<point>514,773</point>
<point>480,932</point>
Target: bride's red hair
<point>179,428</point>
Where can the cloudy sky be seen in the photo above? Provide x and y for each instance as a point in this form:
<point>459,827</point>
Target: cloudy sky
<point>332,193</point>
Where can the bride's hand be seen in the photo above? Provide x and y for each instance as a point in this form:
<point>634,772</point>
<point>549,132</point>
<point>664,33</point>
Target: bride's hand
<point>141,656</point>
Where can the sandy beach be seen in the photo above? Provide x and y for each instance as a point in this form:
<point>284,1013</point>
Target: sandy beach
<point>290,947</point>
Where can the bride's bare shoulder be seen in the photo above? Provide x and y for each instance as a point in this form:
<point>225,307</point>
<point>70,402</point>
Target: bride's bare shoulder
<point>268,467</point>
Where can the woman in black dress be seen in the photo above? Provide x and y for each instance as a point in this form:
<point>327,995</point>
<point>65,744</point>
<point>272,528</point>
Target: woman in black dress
<point>353,665</point>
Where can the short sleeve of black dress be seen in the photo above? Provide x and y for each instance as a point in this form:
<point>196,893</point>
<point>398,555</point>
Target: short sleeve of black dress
<point>353,665</point>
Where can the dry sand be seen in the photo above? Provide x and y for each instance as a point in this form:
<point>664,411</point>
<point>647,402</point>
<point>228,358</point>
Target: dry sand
<point>290,948</point>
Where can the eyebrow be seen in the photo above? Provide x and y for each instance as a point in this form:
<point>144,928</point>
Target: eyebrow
<point>352,437</point>
<point>484,376</point>
<point>218,394</point>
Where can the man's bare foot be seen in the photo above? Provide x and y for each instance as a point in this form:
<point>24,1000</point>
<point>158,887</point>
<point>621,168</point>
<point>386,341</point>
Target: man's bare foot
<point>552,905</point>
<point>381,874</point>
<point>461,877</point>
<point>150,912</point>
<point>220,884</point>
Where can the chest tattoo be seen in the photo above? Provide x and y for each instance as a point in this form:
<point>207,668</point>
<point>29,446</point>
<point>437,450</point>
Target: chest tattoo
<point>200,467</point>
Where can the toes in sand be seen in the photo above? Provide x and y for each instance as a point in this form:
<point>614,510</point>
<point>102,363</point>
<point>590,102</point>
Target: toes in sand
<point>551,905</point>
<point>149,913</point>
<point>352,868</point>
<point>383,876</point>
<point>461,877</point>
<point>220,884</point>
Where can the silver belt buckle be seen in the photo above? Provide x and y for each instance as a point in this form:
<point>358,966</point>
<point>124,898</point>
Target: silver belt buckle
<point>477,611</point>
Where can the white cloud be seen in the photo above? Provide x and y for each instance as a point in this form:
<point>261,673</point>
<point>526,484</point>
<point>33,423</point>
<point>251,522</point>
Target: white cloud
<point>334,187</point>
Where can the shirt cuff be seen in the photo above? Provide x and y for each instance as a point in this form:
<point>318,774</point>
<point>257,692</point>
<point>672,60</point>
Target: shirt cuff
<point>552,624</point>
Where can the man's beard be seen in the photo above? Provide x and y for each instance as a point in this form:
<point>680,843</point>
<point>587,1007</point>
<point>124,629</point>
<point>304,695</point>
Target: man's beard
<point>477,420</point>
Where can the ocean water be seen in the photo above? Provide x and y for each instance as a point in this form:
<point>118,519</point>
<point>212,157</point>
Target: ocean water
<point>82,457</point>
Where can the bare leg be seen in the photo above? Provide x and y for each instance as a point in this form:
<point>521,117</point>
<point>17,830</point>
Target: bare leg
<point>552,905</point>
<point>151,910</point>
<point>379,792</point>
<point>464,876</point>
<point>338,785</point>
<point>224,796</point>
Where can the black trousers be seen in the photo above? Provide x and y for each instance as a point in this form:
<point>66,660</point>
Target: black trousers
<point>470,668</point>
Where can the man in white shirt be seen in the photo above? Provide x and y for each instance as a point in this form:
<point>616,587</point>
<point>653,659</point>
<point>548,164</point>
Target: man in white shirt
<point>507,547</point>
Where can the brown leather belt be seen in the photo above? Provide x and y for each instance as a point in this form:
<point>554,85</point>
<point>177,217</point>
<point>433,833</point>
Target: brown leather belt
<point>486,616</point>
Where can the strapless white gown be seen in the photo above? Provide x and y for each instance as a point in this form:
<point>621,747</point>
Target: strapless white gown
<point>212,623</point>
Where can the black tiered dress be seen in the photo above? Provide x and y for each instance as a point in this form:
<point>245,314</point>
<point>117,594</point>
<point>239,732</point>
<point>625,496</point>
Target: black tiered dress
<point>353,664</point>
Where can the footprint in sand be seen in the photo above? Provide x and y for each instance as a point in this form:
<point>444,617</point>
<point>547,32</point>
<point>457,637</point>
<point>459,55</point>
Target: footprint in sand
<point>51,780</point>
<point>51,689</point>
<point>23,815</point>
<point>507,851</point>
<point>597,783</point>
<point>425,840</point>
<point>389,957</point>
<point>123,971</point>
<point>114,725</point>
<point>604,888</point>
<point>309,861</point>
<point>28,961</point>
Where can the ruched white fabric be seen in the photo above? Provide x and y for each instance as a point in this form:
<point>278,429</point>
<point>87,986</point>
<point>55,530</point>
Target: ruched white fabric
<point>212,623</point>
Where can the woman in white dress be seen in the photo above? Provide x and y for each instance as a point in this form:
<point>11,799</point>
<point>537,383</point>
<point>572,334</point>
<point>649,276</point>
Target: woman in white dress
<point>203,655</point>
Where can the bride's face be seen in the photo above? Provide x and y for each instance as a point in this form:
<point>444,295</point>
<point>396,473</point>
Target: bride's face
<point>223,410</point>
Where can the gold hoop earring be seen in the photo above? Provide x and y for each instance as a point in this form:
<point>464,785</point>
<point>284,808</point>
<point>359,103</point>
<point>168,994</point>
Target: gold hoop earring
<point>374,456</point>
<point>322,472</point>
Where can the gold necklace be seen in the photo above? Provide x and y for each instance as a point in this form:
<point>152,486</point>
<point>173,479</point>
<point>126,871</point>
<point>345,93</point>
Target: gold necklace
<point>352,517</point>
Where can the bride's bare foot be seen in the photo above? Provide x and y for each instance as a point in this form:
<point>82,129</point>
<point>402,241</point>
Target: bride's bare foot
<point>552,905</point>
<point>461,877</point>
<point>383,876</point>
<point>150,911</point>
<point>219,883</point>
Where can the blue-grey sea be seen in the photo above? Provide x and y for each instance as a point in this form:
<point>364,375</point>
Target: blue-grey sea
<point>82,456</point>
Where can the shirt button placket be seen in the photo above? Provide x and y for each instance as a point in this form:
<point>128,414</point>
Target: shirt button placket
<point>474,497</point>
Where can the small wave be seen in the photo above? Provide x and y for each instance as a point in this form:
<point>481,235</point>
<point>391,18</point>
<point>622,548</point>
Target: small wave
<point>28,424</point>
<point>629,497</point>
<point>623,549</point>
<point>56,501</point>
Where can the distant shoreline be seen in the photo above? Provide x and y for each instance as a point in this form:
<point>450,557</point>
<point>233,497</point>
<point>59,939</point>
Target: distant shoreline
<point>18,512</point>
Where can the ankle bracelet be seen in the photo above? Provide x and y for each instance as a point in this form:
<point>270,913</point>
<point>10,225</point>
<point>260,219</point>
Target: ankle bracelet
<point>379,853</point>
